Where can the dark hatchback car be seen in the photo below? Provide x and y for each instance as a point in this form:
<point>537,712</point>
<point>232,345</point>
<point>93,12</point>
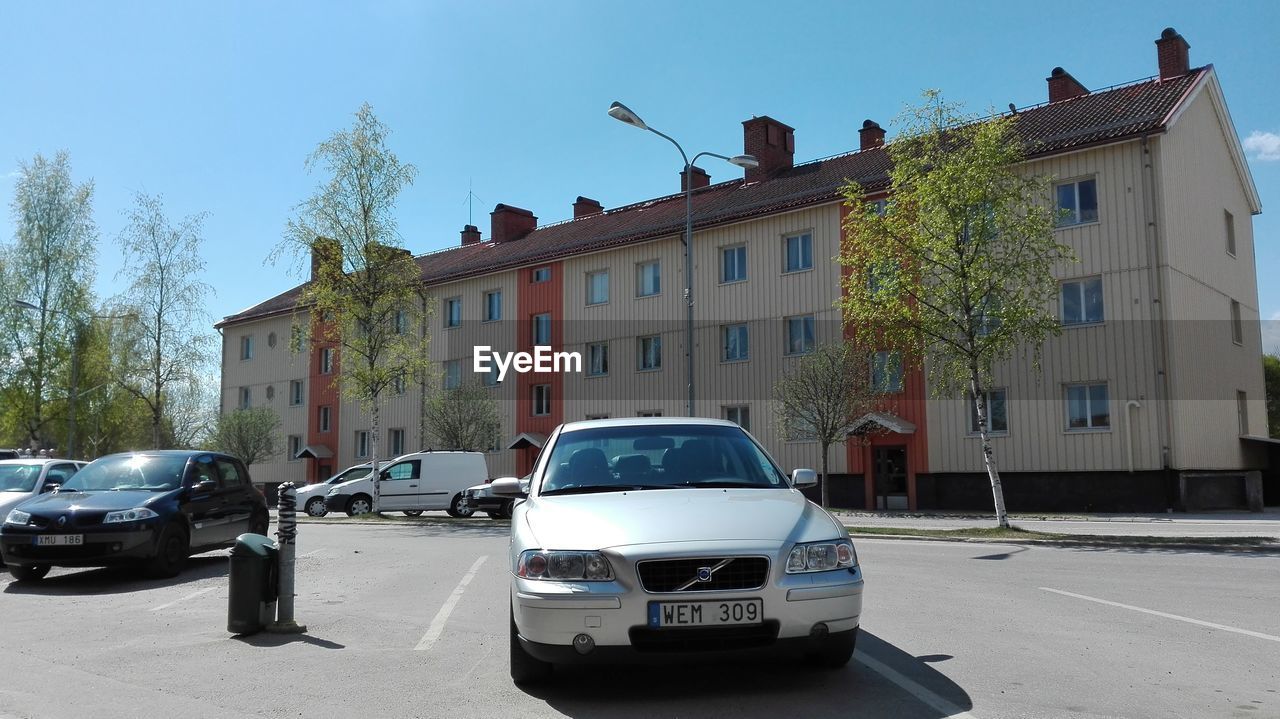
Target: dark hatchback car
<point>153,508</point>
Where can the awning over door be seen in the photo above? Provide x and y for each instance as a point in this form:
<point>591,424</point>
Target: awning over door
<point>528,439</point>
<point>873,421</point>
<point>314,451</point>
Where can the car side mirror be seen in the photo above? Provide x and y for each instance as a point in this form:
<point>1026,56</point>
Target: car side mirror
<point>804,478</point>
<point>204,487</point>
<point>507,487</point>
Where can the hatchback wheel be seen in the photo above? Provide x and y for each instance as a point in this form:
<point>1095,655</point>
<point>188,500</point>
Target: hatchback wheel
<point>525,668</point>
<point>316,508</point>
<point>260,524</point>
<point>28,572</point>
<point>459,507</point>
<point>359,504</point>
<point>172,551</point>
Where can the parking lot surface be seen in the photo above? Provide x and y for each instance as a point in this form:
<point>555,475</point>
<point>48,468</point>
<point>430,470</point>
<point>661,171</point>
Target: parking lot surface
<point>411,621</point>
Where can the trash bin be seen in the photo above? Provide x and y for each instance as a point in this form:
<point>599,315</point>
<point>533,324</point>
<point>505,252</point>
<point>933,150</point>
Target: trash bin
<point>254,582</point>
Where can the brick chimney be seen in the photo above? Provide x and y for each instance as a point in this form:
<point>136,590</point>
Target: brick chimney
<point>585,206</point>
<point>1062,86</point>
<point>1171,51</point>
<point>510,223</point>
<point>697,176</point>
<point>470,235</point>
<point>871,135</point>
<point>772,143</point>
<point>324,250</point>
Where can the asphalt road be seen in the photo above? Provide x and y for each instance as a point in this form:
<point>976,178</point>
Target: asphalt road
<point>411,621</point>
<point>1242,524</point>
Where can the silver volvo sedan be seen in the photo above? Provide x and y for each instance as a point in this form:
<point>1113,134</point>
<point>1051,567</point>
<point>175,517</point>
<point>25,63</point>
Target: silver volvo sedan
<point>651,538</point>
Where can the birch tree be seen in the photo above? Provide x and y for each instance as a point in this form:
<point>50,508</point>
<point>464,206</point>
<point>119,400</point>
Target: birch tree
<point>365,295</point>
<point>956,269</point>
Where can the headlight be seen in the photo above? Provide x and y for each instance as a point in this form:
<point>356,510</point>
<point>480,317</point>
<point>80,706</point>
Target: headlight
<point>822,557</point>
<point>564,566</point>
<point>333,492</point>
<point>129,515</point>
<point>17,516</point>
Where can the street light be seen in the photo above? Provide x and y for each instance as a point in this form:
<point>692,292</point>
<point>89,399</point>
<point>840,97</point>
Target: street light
<point>624,114</point>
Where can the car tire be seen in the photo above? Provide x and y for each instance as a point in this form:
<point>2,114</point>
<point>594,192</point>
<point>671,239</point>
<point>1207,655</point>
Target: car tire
<point>315,507</point>
<point>504,512</point>
<point>172,549</point>
<point>260,524</point>
<point>413,512</point>
<point>458,507</point>
<point>525,668</point>
<point>836,650</point>
<point>28,572</point>
<point>359,504</point>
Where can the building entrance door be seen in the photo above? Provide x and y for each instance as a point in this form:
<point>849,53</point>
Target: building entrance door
<point>890,467</point>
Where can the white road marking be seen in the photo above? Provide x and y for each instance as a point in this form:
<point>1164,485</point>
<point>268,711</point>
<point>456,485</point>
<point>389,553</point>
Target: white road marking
<point>189,597</point>
<point>442,616</point>
<point>944,707</point>
<point>1166,615</point>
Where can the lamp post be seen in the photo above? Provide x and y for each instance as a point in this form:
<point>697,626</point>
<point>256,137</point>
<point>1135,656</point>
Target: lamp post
<point>622,113</point>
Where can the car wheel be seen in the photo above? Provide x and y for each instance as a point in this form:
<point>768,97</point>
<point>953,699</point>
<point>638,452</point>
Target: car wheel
<point>459,507</point>
<point>359,504</point>
<point>525,668</point>
<point>316,508</point>
<point>836,650</point>
<point>503,513</point>
<point>172,550</point>
<point>413,512</point>
<point>28,572</point>
<point>260,524</point>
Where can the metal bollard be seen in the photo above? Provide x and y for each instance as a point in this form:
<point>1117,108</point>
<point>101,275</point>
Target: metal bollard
<point>287,534</point>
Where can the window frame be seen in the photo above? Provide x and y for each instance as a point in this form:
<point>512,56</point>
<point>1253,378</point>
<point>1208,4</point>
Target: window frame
<point>1066,388</point>
<point>1237,323</point>
<point>876,366</point>
<point>326,360</point>
<point>724,279</point>
<point>534,321</point>
<point>245,398</point>
<point>324,419</point>
<point>640,267</point>
<point>449,304</point>
<point>745,343</point>
<point>1059,222</point>
<point>297,393</point>
<point>534,278</point>
<point>489,296</point>
<point>395,436</point>
<point>973,412</point>
<point>813,337</point>
<point>1080,283</point>
<point>290,442</point>
<point>543,389</point>
<point>362,443</point>
<point>246,348</point>
<point>640,353</point>
<point>590,368</point>
<point>451,378</point>
<point>1229,220</point>
<point>589,286</point>
<point>786,239</point>
<point>740,410</point>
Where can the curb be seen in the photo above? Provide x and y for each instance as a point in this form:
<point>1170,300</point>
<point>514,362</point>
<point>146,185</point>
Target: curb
<point>1090,543</point>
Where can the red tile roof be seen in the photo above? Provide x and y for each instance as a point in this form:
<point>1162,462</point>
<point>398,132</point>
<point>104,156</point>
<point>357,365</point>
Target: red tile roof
<point>1100,117</point>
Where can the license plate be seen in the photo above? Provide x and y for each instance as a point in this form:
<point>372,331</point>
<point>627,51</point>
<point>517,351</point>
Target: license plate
<point>59,540</point>
<point>706,614</point>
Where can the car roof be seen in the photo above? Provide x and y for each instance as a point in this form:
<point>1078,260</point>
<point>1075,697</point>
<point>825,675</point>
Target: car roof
<point>646,422</point>
<point>36,460</point>
<point>170,453</point>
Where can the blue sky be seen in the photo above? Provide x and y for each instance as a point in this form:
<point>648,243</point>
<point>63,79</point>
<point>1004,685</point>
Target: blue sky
<point>216,105</point>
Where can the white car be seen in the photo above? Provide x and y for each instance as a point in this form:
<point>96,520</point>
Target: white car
<point>22,479</point>
<point>668,536</point>
<point>412,484</point>
<point>311,497</point>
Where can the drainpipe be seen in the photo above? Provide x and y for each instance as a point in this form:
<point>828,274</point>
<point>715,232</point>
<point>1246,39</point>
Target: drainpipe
<point>1159,329</point>
<point>1128,429</point>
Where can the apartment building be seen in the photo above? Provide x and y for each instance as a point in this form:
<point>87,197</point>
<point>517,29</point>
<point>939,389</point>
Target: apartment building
<point>1151,397</point>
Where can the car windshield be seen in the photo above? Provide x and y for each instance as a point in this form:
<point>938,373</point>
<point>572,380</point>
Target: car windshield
<point>18,477</point>
<point>154,473</point>
<point>616,458</point>
<point>350,474</point>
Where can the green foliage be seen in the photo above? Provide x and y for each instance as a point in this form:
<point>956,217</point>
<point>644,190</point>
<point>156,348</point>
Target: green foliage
<point>1271,372</point>
<point>465,418</point>
<point>251,434</point>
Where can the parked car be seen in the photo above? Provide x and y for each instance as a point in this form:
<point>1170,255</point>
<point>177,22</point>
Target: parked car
<point>414,483</point>
<point>311,497</point>
<point>9,454</point>
<point>690,541</point>
<point>153,508</point>
<point>22,479</point>
<point>481,498</point>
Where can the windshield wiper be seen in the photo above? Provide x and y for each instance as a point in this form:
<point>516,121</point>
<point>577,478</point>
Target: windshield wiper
<point>596,488</point>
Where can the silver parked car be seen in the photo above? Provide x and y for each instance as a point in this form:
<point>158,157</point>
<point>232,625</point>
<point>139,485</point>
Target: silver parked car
<point>665,536</point>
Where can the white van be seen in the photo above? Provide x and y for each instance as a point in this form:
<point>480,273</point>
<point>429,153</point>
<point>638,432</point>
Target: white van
<point>413,484</point>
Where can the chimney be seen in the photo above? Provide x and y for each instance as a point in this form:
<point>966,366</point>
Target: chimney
<point>585,206</point>
<point>470,235</point>
<point>1171,51</point>
<point>871,135</point>
<point>510,223</point>
<point>1062,86</point>
<point>323,251</point>
<point>698,177</point>
<point>772,143</point>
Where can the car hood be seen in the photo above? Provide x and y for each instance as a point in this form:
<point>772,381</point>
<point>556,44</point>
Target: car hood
<point>92,501</point>
<point>614,519</point>
<point>9,500</point>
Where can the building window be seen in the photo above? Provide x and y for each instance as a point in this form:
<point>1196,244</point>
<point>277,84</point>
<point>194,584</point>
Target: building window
<point>598,359</point>
<point>798,251</point>
<point>397,383</point>
<point>401,322</point>
<point>453,312</point>
<point>246,347</point>
<point>541,400</point>
<point>1242,409</point>
<point>799,335</point>
<point>326,360</point>
<point>490,378</point>
<point>799,429</point>
<point>1230,222</point>
<point>246,398</point>
<point>542,274</point>
<point>1077,202</point>
<point>297,393</point>
<point>733,343</point>
<point>648,279</point>
<point>325,413</point>
<point>362,443</point>
<point>997,413</point>
<point>453,374</point>
<point>542,330</point>
<point>649,350</point>
<point>396,439</point>
<point>295,446</point>
<point>598,287</point>
<point>271,340</point>
<point>649,413</point>
<point>733,264</point>
<point>271,392</point>
<point>739,415</point>
<point>1082,301</point>
<point>493,306</point>
<point>1237,326</point>
<point>886,372</point>
<point>1087,406</point>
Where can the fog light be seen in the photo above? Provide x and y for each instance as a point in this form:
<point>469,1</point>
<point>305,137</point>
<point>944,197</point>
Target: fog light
<point>115,547</point>
<point>819,630</point>
<point>584,643</point>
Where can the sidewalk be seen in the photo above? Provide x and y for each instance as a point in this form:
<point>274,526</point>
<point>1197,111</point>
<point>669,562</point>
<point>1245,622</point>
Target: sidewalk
<point>1215,524</point>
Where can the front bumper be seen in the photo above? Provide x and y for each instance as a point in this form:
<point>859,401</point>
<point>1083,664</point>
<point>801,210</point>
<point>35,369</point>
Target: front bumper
<point>100,549</point>
<point>337,502</point>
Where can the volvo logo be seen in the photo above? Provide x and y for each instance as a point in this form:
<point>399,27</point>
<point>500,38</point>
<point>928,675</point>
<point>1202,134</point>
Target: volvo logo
<point>62,521</point>
<point>704,574</point>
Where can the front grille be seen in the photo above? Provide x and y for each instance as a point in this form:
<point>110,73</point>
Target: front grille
<point>703,639</point>
<point>681,575</point>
